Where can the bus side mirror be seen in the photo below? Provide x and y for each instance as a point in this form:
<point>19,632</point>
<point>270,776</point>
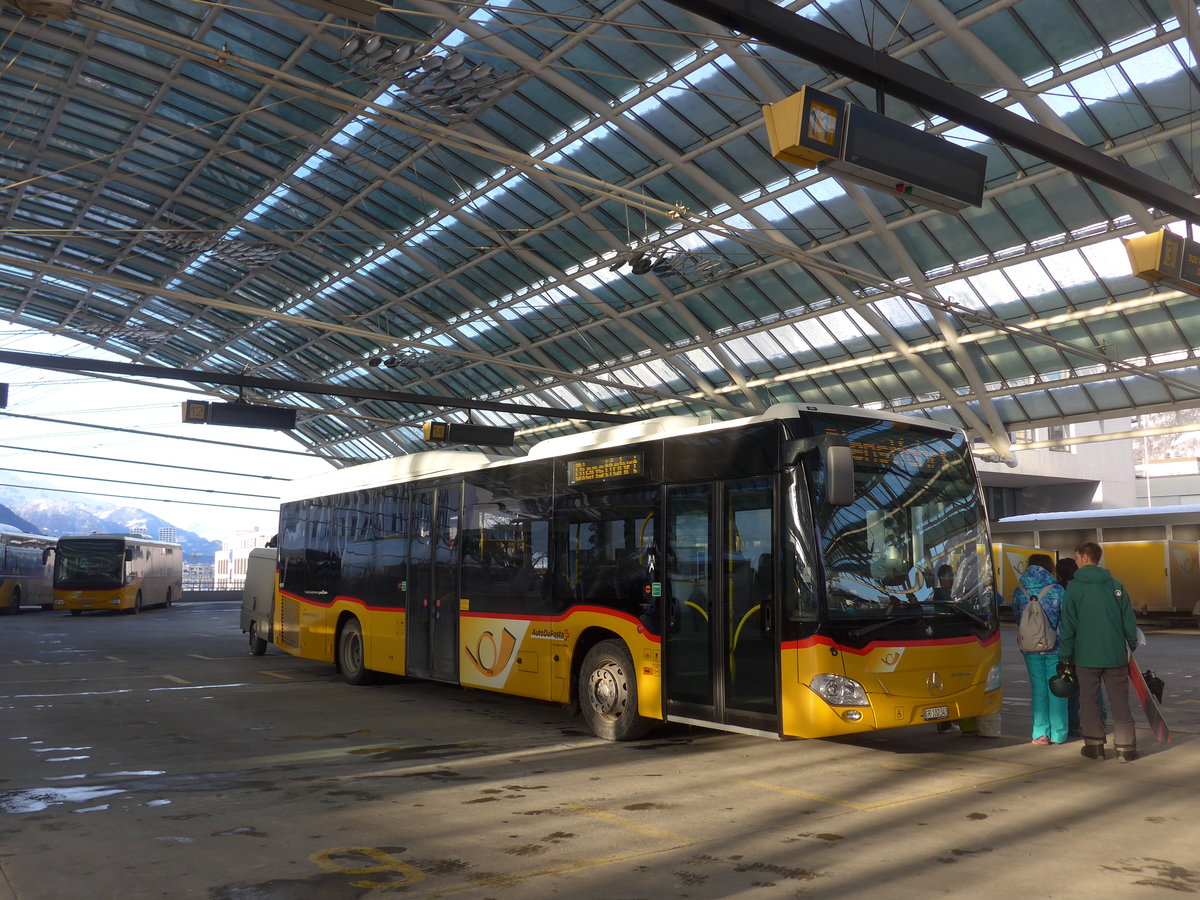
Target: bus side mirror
<point>837,464</point>
<point>46,554</point>
<point>839,473</point>
<point>128,554</point>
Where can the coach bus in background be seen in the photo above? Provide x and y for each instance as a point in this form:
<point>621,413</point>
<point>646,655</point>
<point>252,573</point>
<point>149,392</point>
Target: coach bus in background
<point>806,572</point>
<point>26,564</point>
<point>115,572</point>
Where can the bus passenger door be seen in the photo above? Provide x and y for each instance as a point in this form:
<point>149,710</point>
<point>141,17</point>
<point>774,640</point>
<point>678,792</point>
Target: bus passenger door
<point>721,644</point>
<point>432,615</point>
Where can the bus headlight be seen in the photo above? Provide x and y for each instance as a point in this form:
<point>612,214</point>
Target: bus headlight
<point>993,679</point>
<point>837,690</point>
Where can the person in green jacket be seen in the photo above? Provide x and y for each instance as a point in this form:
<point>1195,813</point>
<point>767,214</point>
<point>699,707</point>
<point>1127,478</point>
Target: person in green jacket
<point>1097,632</point>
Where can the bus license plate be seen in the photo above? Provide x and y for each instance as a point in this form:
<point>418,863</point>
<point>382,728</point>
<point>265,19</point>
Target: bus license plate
<point>936,712</point>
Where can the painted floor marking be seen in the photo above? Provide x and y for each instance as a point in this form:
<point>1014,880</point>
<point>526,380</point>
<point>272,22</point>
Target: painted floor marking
<point>629,824</point>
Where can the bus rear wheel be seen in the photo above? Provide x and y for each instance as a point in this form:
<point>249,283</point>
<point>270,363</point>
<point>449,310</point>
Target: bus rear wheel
<point>352,654</point>
<point>608,693</point>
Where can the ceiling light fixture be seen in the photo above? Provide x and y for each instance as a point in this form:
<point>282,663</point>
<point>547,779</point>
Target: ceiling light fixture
<point>248,253</point>
<point>670,261</point>
<point>433,83</point>
<point>432,363</point>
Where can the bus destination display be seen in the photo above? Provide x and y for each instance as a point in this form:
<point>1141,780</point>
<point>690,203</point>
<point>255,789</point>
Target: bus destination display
<point>609,468</point>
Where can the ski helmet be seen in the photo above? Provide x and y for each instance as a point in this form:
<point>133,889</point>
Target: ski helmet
<point>1062,686</point>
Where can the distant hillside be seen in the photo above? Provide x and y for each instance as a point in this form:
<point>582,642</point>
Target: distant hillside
<point>64,516</point>
<point>16,522</point>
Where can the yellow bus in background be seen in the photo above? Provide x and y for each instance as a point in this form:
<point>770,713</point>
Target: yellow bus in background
<point>1153,550</point>
<point>115,572</point>
<point>806,572</point>
<point>1010,562</point>
<point>25,570</point>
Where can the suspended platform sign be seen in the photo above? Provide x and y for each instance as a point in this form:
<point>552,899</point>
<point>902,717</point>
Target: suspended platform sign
<point>1166,258</point>
<point>817,130</point>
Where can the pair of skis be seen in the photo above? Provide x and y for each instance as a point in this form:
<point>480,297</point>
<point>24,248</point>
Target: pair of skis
<point>1158,725</point>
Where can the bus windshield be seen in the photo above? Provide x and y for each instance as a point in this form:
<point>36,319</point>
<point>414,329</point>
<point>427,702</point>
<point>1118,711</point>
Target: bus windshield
<point>915,539</point>
<point>94,564</point>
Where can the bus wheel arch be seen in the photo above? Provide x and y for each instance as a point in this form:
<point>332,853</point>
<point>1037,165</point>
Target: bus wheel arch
<point>351,654</point>
<point>606,688</point>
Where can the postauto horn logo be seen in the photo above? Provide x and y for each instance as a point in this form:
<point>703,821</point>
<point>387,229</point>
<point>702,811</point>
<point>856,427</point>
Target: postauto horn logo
<point>490,659</point>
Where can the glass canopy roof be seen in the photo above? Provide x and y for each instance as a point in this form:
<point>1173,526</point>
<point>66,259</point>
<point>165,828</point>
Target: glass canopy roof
<point>574,206</point>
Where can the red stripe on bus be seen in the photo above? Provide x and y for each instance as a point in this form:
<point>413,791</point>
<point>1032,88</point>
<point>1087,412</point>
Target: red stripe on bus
<point>820,640</point>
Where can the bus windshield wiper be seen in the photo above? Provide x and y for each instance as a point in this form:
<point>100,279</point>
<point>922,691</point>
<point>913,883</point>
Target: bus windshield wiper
<point>895,615</point>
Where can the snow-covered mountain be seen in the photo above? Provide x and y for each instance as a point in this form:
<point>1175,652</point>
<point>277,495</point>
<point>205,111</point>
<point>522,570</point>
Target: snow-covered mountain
<point>61,516</point>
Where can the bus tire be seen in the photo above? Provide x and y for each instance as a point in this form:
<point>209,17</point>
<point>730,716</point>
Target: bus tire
<point>258,646</point>
<point>168,601</point>
<point>608,693</point>
<point>14,602</point>
<point>351,657</point>
<point>137,604</point>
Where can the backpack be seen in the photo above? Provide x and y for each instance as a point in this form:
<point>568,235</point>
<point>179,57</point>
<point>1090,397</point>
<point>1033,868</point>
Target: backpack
<point>1034,632</point>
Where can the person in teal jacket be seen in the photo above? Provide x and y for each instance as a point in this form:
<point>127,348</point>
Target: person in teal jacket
<point>1049,712</point>
<point>1097,633</point>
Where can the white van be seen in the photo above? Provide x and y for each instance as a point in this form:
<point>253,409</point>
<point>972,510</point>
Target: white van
<point>258,597</point>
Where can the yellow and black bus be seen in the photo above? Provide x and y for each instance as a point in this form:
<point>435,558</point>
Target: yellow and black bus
<point>774,575</point>
<point>115,572</point>
<point>25,569</point>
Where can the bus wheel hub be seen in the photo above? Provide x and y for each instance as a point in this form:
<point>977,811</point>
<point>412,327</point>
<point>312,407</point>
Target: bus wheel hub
<point>606,690</point>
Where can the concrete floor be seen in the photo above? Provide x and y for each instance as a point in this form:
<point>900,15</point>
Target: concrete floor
<point>153,757</point>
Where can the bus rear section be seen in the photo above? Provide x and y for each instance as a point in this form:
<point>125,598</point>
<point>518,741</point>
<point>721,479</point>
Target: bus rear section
<point>25,571</point>
<point>118,573</point>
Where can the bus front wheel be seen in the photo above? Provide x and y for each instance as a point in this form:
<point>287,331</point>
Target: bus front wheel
<point>608,693</point>
<point>137,604</point>
<point>352,655</point>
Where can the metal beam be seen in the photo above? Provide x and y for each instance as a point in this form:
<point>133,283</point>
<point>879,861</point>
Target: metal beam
<point>72,364</point>
<point>792,33</point>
